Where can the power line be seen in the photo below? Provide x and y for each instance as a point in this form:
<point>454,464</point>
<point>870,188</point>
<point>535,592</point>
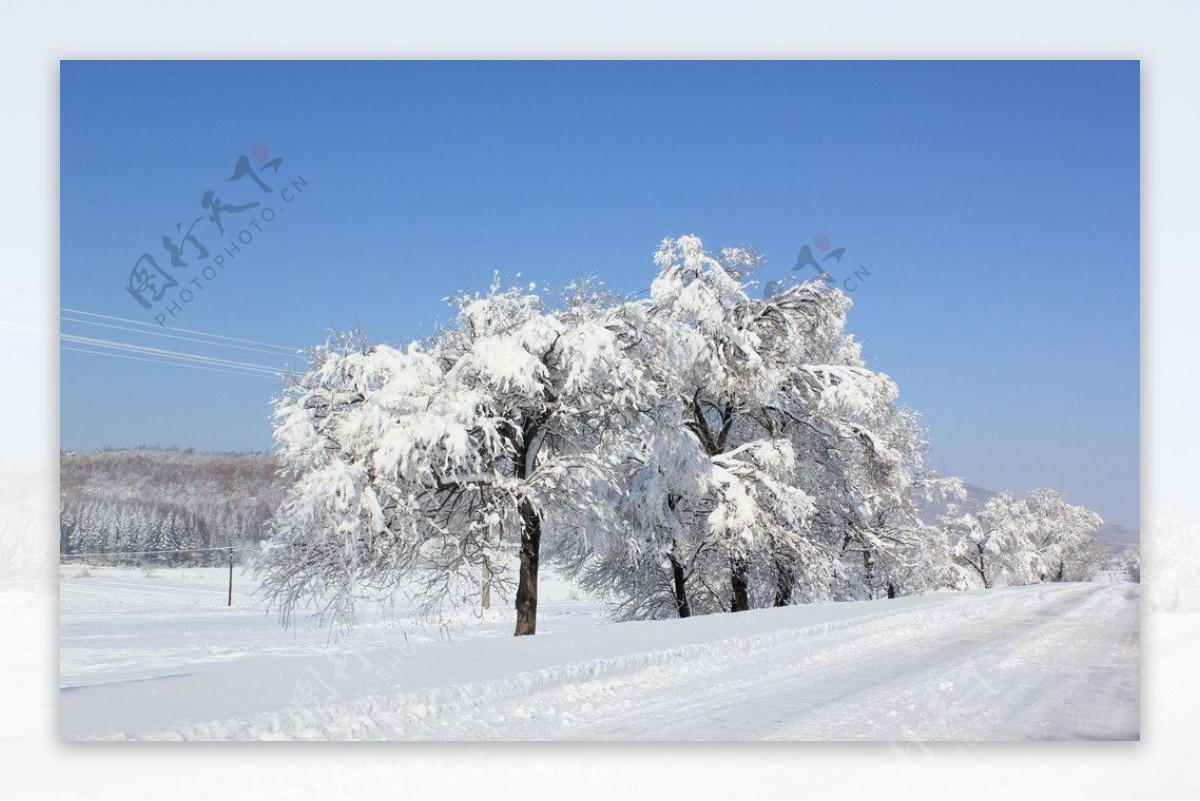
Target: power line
<point>21,338</point>
<point>286,351</point>
<point>29,329</point>
<point>222,549</point>
<point>175,354</point>
<point>143,349</point>
<point>228,549</point>
<point>167,363</point>
<point>153,327</point>
<point>66,319</point>
<point>96,346</point>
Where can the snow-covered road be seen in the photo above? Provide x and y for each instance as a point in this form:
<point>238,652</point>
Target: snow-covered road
<point>1041,662</point>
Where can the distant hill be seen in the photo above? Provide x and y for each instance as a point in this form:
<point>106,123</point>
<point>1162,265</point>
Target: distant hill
<point>1118,536</point>
<point>977,498</point>
<point>154,499</point>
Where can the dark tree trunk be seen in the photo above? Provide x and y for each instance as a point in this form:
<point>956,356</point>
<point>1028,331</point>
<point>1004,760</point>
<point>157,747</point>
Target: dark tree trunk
<point>869,571</point>
<point>784,579</point>
<point>527,582</point>
<point>891,590</point>
<point>1062,571</point>
<point>681,601</point>
<point>741,587</point>
<point>981,569</point>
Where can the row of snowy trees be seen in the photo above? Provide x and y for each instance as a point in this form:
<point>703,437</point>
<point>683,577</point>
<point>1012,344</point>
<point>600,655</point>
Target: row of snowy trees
<point>148,499</point>
<point>108,527</point>
<point>1023,541</point>
<point>131,530</point>
<point>699,450</point>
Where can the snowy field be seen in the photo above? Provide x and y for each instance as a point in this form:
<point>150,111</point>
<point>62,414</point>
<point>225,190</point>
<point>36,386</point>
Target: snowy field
<point>156,654</point>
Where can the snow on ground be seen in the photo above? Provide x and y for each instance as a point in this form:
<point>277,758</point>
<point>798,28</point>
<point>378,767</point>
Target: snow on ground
<point>157,655</point>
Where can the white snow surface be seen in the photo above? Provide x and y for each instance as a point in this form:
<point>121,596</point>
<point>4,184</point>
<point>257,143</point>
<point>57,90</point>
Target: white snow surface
<point>157,655</point>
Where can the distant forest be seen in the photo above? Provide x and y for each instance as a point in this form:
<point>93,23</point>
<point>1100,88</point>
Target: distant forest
<point>150,499</point>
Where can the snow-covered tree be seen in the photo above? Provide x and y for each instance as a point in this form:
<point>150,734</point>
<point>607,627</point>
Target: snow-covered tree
<point>1022,541</point>
<point>1129,562</point>
<point>901,553</point>
<point>711,490</point>
<point>428,465</point>
<point>770,448</point>
<point>1062,538</point>
<point>991,542</point>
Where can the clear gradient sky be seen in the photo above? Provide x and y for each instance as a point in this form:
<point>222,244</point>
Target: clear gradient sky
<point>994,206</point>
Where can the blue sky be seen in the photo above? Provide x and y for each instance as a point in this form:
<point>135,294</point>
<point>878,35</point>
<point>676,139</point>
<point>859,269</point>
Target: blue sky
<point>994,206</point>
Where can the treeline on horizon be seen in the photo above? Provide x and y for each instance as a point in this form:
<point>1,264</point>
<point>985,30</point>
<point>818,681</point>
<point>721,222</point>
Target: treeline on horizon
<point>172,501</point>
